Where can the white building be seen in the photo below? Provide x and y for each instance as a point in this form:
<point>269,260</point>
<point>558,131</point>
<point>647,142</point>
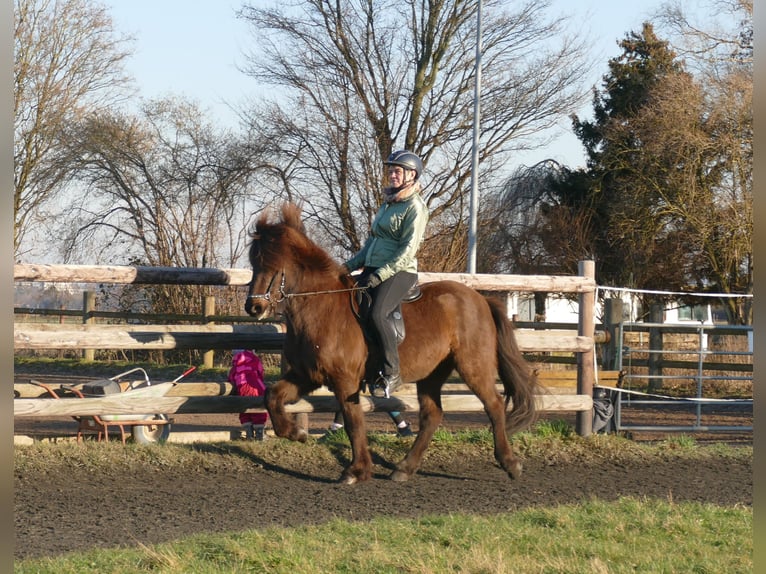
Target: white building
<point>559,309</point>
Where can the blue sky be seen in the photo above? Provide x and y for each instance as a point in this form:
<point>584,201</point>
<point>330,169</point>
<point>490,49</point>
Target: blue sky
<point>193,48</point>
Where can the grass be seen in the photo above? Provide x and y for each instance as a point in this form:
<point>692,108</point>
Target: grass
<point>628,535</point>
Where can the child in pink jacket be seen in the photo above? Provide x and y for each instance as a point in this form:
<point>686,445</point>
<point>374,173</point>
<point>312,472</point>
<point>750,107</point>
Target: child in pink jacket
<point>246,374</point>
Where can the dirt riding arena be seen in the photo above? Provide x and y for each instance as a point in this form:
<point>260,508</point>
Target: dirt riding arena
<point>79,509</point>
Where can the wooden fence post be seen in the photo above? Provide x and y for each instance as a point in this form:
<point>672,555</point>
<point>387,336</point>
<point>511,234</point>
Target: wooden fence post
<point>208,310</point>
<point>88,306</point>
<point>585,360</point>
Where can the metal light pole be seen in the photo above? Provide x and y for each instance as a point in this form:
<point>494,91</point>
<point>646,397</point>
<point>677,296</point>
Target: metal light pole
<point>474,204</point>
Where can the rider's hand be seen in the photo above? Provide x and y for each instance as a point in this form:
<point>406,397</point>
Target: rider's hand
<point>370,282</point>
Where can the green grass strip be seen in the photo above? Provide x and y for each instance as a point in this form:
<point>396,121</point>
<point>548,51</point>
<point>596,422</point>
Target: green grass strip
<point>628,535</point>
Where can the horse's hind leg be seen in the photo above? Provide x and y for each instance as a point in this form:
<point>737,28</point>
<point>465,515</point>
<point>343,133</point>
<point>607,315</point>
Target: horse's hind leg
<point>494,406</point>
<point>277,395</point>
<point>431,414</point>
<point>483,385</point>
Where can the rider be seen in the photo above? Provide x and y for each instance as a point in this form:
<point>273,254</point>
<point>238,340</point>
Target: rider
<point>388,258</point>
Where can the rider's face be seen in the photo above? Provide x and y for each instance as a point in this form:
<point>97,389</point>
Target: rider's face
<point>397,175</point>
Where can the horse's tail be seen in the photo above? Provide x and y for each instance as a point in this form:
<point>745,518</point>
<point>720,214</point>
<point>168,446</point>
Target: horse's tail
<point>519,381</point>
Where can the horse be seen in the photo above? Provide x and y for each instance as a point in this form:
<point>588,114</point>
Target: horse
<point>451,327</point>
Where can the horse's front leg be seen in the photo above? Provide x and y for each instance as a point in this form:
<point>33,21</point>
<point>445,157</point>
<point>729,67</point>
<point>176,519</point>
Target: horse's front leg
<point>277,395</point>
<point>431,415</point>
<point>360,468</point>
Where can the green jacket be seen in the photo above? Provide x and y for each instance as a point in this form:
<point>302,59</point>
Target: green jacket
<point>395,236</point>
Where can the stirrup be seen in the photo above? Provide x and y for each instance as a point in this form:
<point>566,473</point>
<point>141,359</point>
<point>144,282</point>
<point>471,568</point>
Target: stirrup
<point>385,385</point>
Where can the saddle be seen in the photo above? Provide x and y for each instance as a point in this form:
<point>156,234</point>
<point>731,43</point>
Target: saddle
<point>396,317</point>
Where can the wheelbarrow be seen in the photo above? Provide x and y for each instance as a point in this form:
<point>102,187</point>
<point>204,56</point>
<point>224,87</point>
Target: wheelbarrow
<point>144,429</point>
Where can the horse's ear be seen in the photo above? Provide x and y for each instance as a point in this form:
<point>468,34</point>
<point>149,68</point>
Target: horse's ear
<point>260,224</point>
<point>291,216</point>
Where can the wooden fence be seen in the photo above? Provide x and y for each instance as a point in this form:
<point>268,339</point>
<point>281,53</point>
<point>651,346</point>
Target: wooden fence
<point>269,337</point>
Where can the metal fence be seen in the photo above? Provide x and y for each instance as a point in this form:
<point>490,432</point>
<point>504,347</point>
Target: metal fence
<point>709,380</point>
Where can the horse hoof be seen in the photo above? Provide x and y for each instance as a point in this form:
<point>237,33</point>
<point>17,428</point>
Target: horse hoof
<point>301,435</point>
<point>400,476</point>
<point>515,471</point>
<point>348,479</point>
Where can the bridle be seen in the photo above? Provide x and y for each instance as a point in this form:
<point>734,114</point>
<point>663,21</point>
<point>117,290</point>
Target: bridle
<point>267,295</point>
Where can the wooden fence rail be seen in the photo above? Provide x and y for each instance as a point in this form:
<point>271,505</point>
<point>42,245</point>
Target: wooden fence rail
<point>124,404</point>
<point>126,275</point>
<point>269,337</point>
<point>257,337</point>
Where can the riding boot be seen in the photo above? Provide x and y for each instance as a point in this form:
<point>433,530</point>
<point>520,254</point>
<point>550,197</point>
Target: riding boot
<point>388,379</point>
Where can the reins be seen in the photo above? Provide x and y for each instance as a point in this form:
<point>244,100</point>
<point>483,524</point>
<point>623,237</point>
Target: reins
<point>283,295</point>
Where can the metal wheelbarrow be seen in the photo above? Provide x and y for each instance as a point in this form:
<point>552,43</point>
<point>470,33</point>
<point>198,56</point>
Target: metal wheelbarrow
<point>144,428</point>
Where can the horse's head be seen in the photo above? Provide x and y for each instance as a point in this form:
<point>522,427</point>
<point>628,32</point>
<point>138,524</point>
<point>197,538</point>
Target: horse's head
<point>275,245</point>
<point>266,256</point>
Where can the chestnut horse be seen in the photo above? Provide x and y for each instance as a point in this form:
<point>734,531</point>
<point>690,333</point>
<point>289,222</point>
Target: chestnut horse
<point>450,327</point>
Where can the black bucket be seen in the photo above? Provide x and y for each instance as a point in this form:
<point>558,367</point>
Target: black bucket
<point>101,387</point>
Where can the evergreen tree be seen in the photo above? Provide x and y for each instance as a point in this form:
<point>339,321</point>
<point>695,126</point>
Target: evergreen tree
<point>665,200</point>
<point>634,237</point>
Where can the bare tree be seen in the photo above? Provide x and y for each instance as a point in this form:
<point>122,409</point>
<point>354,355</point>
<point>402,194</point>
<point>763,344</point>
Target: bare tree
<point>166,181</point>
<point>67,60</point>
<point>164,188</point>
<point>712,46</point>
<point>358,79</point>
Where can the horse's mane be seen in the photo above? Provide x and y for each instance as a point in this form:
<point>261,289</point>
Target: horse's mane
<point>288,230</point>
<point>290,215</point>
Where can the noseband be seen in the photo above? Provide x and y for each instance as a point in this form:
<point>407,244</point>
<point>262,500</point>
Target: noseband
<point>267,295</point>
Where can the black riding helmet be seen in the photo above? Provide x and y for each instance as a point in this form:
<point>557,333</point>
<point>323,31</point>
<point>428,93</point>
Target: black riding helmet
<point>407,160</point>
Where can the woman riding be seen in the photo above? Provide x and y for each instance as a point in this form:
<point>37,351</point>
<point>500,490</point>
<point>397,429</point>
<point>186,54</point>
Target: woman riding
<point>388,259</point>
